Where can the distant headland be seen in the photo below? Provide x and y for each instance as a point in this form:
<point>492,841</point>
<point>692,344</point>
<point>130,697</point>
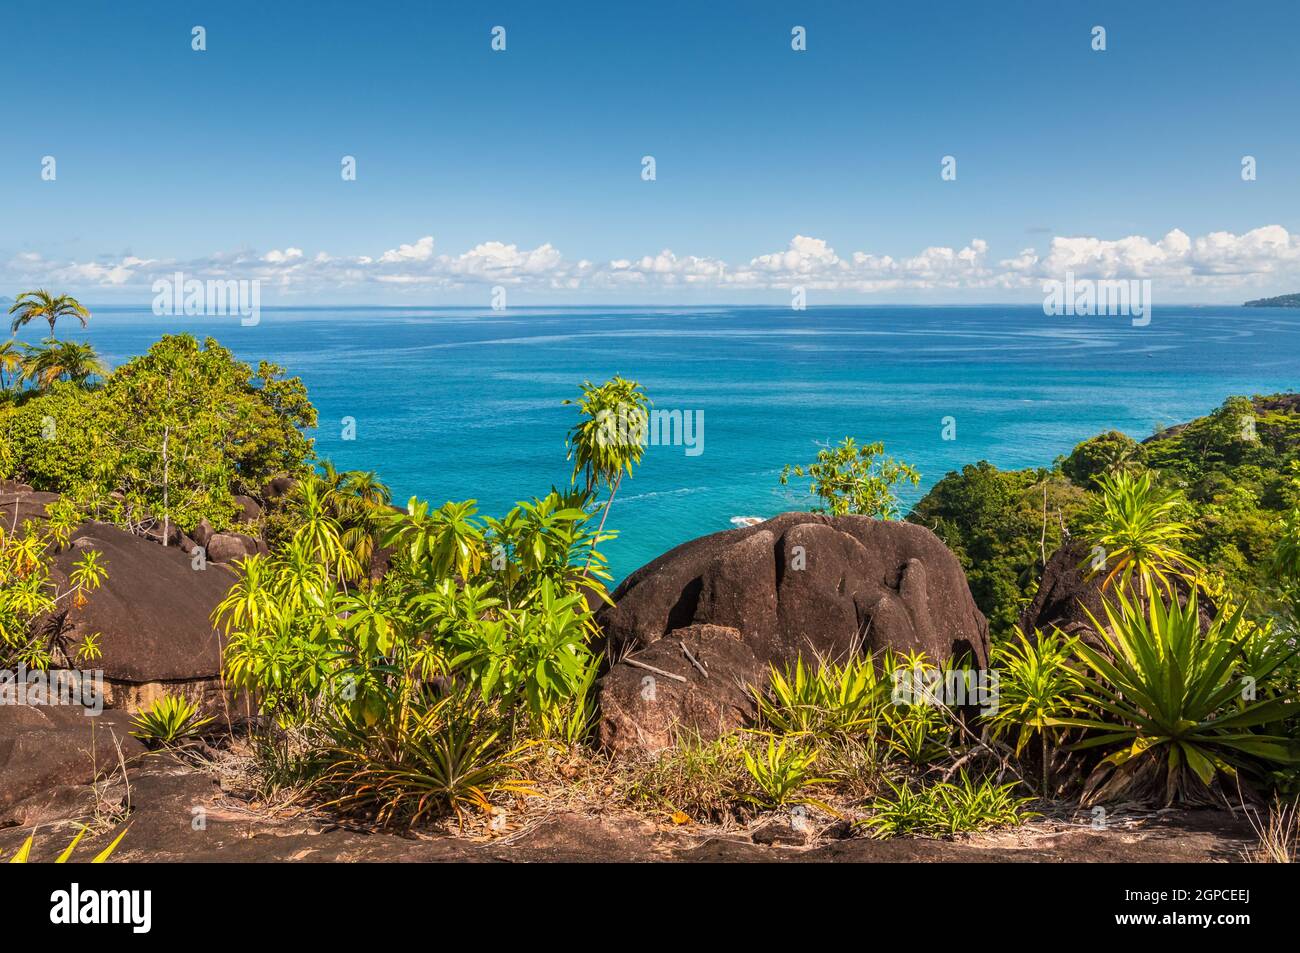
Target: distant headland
<point>1281,301</point>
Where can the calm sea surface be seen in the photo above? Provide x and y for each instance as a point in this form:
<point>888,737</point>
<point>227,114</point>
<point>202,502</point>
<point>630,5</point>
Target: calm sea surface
<point>456,404</point>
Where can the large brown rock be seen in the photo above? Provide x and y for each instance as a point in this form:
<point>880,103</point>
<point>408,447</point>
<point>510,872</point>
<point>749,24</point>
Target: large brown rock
<point>228,547</point>
<point>23,504</point>
<point>247,509</point>
<point>643,709</point>
<point>153,612</point>
<point>799,584</point>
<point>47,751</point>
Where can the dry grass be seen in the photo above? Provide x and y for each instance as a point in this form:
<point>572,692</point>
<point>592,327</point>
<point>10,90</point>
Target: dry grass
<point>1279,835</point>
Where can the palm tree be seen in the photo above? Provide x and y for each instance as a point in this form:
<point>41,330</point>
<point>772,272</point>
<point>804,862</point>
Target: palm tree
<point>353,500</point>
<point>609,439</point>
<point>61,360</point>
<point>11,362</point>
<point>42,304</point>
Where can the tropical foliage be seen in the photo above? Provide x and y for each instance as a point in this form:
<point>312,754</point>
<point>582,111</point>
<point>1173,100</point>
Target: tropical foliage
<point>172,435</point>
<point>1177,705</point>
<point>33,607</point>
<point>1135,527</point>
<point>427,681</point>
<point>41,305</point>
<point>170,719</point>
<point>1003,526</point>
<point>854,479</point>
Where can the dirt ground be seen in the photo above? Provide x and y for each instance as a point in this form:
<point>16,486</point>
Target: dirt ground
<point>185,810</point>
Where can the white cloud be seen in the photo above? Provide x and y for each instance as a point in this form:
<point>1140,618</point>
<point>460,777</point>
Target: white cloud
<point>422,250</point>
<point>1215,261</point>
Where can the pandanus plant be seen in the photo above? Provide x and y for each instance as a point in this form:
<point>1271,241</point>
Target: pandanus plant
<point>609,438</point>
<point>1135,523</point>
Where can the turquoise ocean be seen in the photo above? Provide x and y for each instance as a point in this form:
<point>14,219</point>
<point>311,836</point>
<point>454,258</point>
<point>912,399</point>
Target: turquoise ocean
<point>467,404</point>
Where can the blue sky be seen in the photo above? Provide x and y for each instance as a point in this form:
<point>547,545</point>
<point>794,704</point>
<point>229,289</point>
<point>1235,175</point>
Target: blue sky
<point>227,161</point>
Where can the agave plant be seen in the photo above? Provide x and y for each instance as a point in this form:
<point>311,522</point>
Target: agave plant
<point>168,720</point>
<point>437,756</point>
<point>1176,704</point>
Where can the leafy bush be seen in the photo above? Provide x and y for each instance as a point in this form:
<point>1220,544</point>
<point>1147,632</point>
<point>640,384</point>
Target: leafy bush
<point>490,615</point>
<point>849,478</point>
<point>176,431</point>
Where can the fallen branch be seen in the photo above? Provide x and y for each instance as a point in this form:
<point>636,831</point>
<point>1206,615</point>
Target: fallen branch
<point>657,671</point>
<point>692,659</point>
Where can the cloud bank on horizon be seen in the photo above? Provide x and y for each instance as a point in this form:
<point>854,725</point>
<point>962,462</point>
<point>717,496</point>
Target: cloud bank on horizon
<point>1218,265</point>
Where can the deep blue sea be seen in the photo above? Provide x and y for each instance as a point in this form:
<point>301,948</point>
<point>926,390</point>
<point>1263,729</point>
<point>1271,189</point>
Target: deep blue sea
<point>460,403</point>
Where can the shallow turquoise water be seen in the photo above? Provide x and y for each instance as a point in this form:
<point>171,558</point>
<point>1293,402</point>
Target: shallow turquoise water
<point>467,404</point>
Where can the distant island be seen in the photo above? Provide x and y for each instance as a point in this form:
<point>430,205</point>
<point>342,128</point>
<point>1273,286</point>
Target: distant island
<point>1281,301</point>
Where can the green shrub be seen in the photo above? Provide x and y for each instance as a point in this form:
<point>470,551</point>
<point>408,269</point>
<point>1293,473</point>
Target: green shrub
<point>1001,525</point>
<point>783,773</point>
<point>1103,455</point>
<point>168,720</point>
<point>945,808</point>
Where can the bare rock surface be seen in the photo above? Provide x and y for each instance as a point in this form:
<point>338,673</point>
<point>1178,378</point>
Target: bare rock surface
<point>801,584</point>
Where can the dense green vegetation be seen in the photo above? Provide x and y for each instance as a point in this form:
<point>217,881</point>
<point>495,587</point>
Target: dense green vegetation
<point>1233,470</point>
<point>430,661</point>
<point>169,436</point>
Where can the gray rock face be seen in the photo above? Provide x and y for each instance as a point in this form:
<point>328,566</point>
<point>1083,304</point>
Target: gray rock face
<point>19,503</point>
<point>799,584</point>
